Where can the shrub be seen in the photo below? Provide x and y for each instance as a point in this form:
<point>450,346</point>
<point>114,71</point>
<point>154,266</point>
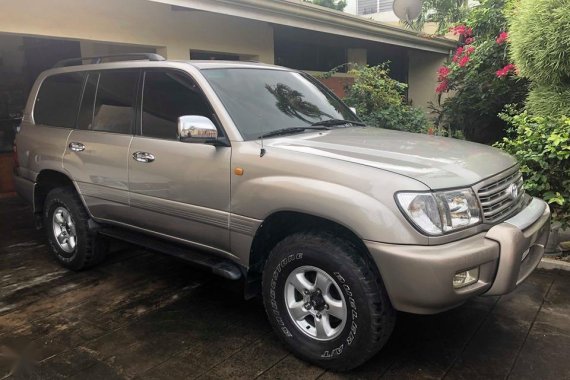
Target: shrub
<point>548,101</point>
<point>540,47</point>
<point>380,100</point>
<point>480,75</point>
<point>542,147</point>
<point>539,40</point>
<point>399,117</point>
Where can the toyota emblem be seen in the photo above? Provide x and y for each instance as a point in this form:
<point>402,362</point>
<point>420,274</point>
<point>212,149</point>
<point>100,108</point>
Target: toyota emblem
<point>513,191</point>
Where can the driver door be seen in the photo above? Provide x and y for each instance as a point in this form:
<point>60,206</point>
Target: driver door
<point>176,188</point>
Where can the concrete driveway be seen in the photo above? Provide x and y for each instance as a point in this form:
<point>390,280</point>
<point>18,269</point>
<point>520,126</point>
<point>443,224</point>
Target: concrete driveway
<point>144,315</point>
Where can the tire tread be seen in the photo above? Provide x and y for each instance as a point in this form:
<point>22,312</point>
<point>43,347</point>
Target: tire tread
<point>94,248</point>
<point>382,315</point>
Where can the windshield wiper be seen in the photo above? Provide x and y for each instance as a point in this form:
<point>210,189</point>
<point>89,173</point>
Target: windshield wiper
<point>287,131</point>
<point>333,122</point>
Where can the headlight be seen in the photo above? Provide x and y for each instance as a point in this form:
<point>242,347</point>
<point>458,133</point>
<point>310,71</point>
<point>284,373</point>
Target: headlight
<point>440,212</point>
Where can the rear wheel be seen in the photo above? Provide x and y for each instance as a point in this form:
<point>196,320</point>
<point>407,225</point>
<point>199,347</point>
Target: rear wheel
<point>67,226</point>
<point>325,300</point>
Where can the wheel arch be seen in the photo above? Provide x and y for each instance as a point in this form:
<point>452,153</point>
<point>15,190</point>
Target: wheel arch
<point>281,224</point>
<point>47,180</point>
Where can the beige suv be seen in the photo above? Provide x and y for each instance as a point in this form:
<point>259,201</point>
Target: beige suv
<point>261,174</point>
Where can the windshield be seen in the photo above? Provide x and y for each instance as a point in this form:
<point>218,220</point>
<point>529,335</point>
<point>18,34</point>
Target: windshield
<point>260,101</point>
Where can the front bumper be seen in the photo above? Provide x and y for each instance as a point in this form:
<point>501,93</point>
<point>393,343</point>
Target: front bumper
<point>419,278</point>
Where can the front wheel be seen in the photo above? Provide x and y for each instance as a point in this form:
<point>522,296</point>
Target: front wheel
<point>325,301</point>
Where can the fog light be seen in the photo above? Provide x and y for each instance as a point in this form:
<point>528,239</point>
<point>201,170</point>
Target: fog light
<point>465,278</point>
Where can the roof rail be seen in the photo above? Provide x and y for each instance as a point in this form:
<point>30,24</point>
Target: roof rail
<point>98,59</point>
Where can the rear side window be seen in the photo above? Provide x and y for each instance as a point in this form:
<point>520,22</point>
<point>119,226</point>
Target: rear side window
<point>167,95</point>
<point>57,102</point>
<point>114,103</point>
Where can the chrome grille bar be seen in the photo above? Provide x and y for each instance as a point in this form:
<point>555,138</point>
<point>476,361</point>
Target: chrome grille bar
<point>501,198</point>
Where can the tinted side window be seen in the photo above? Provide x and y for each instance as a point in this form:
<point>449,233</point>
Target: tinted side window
<point>168,95</point>
<point>57,102</point>
<point>115,100</point>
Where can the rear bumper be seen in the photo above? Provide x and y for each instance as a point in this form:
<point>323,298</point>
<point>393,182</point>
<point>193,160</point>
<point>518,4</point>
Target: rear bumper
<point>419,278</point>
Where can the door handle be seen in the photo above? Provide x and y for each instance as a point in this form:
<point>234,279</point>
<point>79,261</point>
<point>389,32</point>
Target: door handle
<point>143,157</point>
<point>76,146</point>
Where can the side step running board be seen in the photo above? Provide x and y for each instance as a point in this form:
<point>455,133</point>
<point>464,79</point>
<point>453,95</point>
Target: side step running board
<point>219,266</point>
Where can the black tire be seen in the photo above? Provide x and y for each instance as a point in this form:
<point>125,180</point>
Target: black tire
<point>370,317</point>
<point>89,249</point>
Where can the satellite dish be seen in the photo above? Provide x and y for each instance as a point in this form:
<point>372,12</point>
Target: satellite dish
<point>407,10</point>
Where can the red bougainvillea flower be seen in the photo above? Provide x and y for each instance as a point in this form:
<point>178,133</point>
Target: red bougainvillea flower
<point>469,40</point>
<point>502,38</point>
<point>463,61</point>
<point>457,29</point>
<point>505,70</point>
<point>458,54</point>
<point>441,87</point>
<point>442,73</point>
<point>462,30</point>
<point>470,50</point>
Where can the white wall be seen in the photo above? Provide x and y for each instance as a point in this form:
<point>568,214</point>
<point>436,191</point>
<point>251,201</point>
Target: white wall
<point>350,7</point>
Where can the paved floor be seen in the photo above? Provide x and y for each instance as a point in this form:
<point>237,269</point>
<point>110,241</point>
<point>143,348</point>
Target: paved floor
<point>143,315</point>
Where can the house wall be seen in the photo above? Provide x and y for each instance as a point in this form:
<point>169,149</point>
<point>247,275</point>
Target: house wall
<point>338,84</point>
<point>138,22</point>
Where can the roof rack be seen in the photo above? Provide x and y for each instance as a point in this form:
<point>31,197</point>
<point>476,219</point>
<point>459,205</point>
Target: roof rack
<point>98,59</point>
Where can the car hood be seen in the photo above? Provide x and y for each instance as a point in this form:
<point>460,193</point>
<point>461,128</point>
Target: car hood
<point>438,162</point>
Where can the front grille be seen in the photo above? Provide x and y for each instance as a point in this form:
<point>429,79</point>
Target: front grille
<point>497,200</point>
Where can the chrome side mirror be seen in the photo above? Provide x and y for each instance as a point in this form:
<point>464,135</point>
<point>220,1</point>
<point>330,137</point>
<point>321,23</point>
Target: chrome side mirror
<point>197,129</point>
<point>353,109</point>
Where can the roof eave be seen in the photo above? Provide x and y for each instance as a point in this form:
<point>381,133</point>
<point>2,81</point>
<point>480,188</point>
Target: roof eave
<point>308,16</point>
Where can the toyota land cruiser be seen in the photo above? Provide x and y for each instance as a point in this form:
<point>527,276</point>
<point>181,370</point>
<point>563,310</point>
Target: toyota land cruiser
<point>261,174</point>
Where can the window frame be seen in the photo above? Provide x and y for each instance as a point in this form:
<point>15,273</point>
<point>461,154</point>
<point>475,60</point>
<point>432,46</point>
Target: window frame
<point>140,103</point>
<point>85,81</point>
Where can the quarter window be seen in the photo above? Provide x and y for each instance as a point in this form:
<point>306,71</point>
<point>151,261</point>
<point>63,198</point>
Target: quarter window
<point>168,95</point>
<point>115,100</point>
<point>57,102</point>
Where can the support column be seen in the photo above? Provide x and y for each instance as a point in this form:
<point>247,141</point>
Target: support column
<point>357,56</point>
<point>175,52</point>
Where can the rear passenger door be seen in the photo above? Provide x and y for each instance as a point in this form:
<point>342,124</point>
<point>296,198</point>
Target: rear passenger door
<point>97,151</point>
<point>184,190</point>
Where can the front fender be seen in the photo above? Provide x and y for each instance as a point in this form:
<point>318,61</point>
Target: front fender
<point>365,215</point>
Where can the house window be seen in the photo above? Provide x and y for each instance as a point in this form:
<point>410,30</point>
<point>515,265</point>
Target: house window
<point>366,7</point>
